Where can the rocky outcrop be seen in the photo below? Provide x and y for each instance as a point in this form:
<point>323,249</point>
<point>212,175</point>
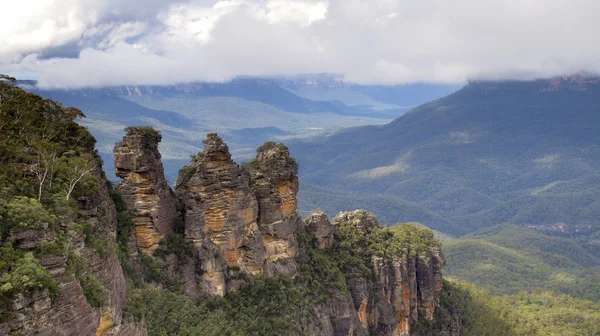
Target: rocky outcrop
<point>274,180</point>
<point>319,225</point>
<point>336,317</point>
<point>361,219</point>
<point>403,287</point>
<point>238,218</point>
<point>70,313</point>
<point>221,216</point>
<point>144,188</point>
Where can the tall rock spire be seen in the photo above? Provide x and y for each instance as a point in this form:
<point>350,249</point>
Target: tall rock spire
<point>144,188</point>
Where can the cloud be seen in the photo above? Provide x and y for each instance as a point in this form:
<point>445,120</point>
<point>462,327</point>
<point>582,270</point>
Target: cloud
<point>367,41</point>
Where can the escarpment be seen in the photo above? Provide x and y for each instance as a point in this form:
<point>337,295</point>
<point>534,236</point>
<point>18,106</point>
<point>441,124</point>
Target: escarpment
<point>144,188</point>
<point>226,246</point>
<point>242,222</point>
<point>59,269</point>
<point>83,263</point>
<point>393,274</point>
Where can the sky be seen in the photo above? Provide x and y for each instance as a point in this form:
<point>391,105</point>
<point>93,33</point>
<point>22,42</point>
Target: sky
<point>93,43</point>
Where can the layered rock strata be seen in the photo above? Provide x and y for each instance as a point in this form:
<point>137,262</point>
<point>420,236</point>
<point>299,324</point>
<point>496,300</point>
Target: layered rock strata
<point>237,218</point>
<point>274,181</point>
<point>69,313</point>
<point>402,287</point>
<point>319,225</point>
<point>144,187</point>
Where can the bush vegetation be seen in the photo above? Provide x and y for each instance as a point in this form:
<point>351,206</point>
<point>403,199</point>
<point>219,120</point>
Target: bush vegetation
<point>536,313</point>
<point>507,259</point>
<point>47,164</point>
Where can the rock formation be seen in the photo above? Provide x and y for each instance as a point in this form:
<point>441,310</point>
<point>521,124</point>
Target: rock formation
<point>242,222</point>
<point>70,314</point>
<point>240,218</point>
<point>319,225</point>
<point>402,287</point>
<point>274,180</point>
<point>144,188</point>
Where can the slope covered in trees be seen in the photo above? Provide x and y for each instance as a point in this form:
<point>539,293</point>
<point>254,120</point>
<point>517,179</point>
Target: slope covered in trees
<point>490,153</point>
<point>46,163</point>
<point>507,259</point>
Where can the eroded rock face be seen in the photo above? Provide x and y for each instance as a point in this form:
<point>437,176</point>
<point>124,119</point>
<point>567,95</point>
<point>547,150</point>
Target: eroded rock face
<point>240,219</point>
<point>221,216</point>
<point>274,180</point>
<point>402,287</point>
<point>70,314</point>
<point>144,188</point>
<point>319,225</point>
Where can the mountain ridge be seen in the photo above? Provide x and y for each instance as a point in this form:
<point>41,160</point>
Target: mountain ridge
<point>499,143</point>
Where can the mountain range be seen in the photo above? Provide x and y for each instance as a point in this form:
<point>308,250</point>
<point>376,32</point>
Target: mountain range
<point>225,250</point>
<point>245,111</point>
<point>521,152</point>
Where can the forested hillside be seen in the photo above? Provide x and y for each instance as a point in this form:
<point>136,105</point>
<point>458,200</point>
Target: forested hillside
<point>491,153</point>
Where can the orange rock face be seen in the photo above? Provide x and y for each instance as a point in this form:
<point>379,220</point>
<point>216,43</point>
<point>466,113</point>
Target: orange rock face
<point>403,286</point>
<point>144,188</point>
<point>105,323</point>
<point>248,216</point>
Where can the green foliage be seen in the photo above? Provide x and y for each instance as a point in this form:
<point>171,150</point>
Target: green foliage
<point>93,290</point>
<point>24,213</point>
<point>155,270</point>
<point>479,313</point>
<point>145,131</point>
<point>267,146</point>
<point>263,307</point>
<point>46,164</point>
<point>537,313</point>
<point>175,244</point>
<point>22,274</point>
<point>124,221</point>
<point>271,155</point>
<point>356,248</point>
<point>556,314</point>
<point>508,259</point>
<point>150,136</point>
<point>186,172</point>
<point>99,244</point>
<point>318,272</point>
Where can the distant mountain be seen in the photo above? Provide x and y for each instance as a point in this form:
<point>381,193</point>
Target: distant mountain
<point>327,87</point>
<point>492,152</point>
<point>246,112</point>
<point>252,89</point>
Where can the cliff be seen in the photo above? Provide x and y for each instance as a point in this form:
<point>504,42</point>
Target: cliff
<point>249,219</point>
<point>144,188</point>
<point>224,253</point>
<point>59,270</point>
<point>393,274</point>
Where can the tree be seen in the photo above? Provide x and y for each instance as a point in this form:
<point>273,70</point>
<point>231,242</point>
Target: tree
<point>7,78</point>
<point>24,213</point>
<point>45,165</point>
<point>76,169</point>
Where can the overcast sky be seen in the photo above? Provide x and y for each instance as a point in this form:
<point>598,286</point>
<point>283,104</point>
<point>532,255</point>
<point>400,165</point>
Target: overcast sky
<point>74,43</point>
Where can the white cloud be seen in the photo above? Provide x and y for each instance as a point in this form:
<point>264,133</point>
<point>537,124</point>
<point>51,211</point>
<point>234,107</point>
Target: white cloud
<point>379,41</point>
